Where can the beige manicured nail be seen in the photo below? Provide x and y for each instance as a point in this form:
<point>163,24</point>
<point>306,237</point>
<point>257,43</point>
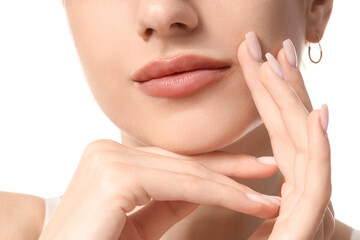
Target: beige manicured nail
<point>275,65</point>
<point>257,198</point>
<point>290,52</point>
<point>274,199</point>
<point>254,46</point>
<point>269,160</point>
<point>324,112</point>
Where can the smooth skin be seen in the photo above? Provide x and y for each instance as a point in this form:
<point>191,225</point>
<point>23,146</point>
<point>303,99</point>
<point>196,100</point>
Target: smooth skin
<point>109,171</point>
<point>113,39</point>
<point>105,163</point>
<point>121,178</point>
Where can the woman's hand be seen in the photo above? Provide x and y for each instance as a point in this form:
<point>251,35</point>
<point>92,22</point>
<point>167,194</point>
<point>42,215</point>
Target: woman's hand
<point>299,142</point>
<point>112,179</point>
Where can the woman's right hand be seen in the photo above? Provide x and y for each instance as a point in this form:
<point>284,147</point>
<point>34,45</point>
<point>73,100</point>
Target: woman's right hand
<point>112,179</point>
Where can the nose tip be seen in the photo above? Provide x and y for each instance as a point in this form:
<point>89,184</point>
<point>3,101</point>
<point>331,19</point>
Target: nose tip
<point>165,19</point>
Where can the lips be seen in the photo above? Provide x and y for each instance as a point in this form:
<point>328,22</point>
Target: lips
<point>185,63</point>
<point>180,75</point>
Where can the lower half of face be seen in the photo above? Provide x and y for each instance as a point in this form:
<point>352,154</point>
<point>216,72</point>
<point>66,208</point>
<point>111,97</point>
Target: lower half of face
<point>111,43</point>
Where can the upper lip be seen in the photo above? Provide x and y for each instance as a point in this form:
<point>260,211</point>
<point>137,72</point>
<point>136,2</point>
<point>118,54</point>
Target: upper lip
<point>183,63</point>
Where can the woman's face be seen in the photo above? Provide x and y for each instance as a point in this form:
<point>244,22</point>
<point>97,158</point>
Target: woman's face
<point>115,38</point>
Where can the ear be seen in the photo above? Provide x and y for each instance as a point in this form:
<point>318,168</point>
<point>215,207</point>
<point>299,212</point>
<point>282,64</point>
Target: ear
<point>318,13</point>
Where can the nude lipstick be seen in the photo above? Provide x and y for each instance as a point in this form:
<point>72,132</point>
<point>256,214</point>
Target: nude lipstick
<point>179,76</point>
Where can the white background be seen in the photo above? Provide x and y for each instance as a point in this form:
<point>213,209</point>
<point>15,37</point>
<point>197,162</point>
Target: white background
<point>48,115</point>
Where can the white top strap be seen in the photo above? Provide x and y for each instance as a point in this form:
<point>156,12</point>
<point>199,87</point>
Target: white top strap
<point>50,206</point>
<point>355,235</point>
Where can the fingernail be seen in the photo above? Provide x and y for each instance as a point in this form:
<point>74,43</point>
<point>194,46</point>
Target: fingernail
<point>274,199</point>
<point>275,65</point>
<point>324,113</point>
<point>257,198</point>
<point>269,160</point>
<point>290,52</point>
<point>254,46</point>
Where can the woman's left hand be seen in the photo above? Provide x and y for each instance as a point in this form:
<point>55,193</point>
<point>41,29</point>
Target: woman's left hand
<point>299,141</point>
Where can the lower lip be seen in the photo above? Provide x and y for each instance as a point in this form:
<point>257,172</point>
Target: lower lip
<point>182,84</point>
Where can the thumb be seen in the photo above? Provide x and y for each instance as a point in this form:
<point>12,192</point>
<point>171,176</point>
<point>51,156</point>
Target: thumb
<point>153,220</point>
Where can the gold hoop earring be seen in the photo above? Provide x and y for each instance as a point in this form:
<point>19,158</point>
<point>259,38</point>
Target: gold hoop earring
<point>320,54</point>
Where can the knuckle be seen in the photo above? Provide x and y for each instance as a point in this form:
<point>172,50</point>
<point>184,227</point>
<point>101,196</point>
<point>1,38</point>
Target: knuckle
<point>120,173</point>
<point>117,180</point>
<point>102,150</point>
<point>102,144</point>
<point>107,170</point>
<point>110,175</point>
<point>187,179</point>
<point>98,158</point>
<point>196,168</point>
<point>190,183</point>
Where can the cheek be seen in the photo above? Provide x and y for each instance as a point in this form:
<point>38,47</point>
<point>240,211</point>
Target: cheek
<point>103,33</point>
<point>273,21</point>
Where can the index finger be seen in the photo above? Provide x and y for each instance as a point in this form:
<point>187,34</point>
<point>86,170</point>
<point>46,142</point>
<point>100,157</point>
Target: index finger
<point>228,164</point>
<point>266,107</point>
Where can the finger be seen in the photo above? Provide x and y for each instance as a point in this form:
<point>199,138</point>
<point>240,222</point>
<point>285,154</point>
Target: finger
<point>156,218</point>
<point>176,196</point>
<point>266,107</point>
<point>159,162</point>
<point>314,200</point>
<point>292,72</point>
<point>239,165</point>
<point>171,186</point>
<point>287,57</point>
<point>229,164</point>
<point>292,111</point>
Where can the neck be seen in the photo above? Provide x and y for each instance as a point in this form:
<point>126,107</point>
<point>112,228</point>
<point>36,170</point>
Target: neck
<point>212,222</point>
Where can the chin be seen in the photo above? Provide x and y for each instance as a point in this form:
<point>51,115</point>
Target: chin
<point>201,140</point>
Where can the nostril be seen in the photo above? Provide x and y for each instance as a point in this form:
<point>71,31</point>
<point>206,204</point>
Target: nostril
<point>149,31</point>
